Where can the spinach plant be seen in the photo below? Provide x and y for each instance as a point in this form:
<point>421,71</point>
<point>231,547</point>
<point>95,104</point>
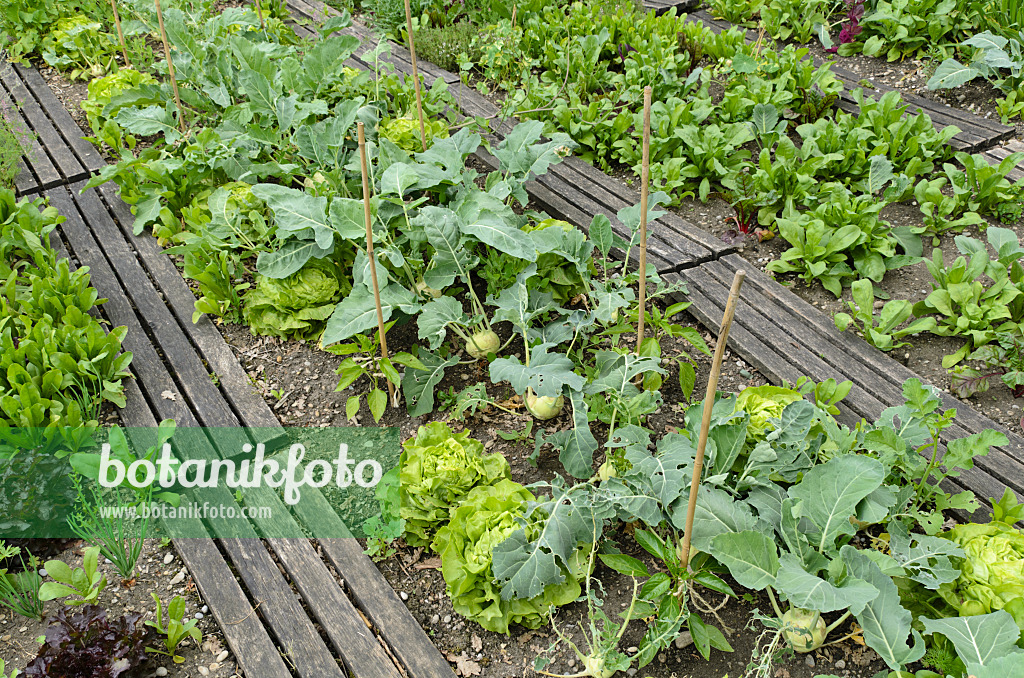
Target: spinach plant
<point>173,630</point>
<point>886,335</point>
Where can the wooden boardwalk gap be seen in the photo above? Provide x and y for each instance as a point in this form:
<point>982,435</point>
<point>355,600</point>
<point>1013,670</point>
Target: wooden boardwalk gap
<point>661,6</point>
<point>976,132</point>
<point>784,337</point>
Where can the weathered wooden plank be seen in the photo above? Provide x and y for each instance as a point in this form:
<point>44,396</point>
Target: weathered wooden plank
<point>196,382</point>
<point>43,173</point>
<point>252,409</point>
<point>379,602</point>
<point>659,7</point>
<point>302,645</point>
<point>352,639</point>
<point>86,153</point>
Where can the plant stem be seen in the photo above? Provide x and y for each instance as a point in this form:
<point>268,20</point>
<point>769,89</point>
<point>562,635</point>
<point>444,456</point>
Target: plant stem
<point>775,603</point>
<point>832,627</point>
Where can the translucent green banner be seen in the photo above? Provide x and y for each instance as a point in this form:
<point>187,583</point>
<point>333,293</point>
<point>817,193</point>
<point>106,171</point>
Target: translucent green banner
<point>194,482</point>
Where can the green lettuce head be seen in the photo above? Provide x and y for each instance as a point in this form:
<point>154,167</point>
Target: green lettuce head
<point>297,306</point>
<point>103,90</point>
<point>992,572</point>
<point>485,518</point>
<point>405,132</point>
<point>763,403</point>
<point>555,273</point>
<point>438,469</point>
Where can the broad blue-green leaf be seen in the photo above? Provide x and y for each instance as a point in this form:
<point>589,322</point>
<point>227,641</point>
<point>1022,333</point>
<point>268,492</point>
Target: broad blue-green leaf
<point>978,639</point>
<point>522,154</point>
<point>886,623</point>
<point>577,447</point>
<point>830,493</point>
<point>348,218</point>
<point>296,211</point>
<point>418,385</point>
<point>716,513</point>
<point>292,256</point>
<point>434,318</point>
<point>149,121</point>
<point>546,374</point>
<point>810,592</point>
<point>357,312</point>
<point>601,234</point>
<point>928,560</point>
<point>398,178</point>
<point>952,73</point>
<point>571,516</point>
<point>752,558</point>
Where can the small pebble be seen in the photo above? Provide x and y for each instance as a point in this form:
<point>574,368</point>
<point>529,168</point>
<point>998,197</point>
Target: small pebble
<point>684,640</point>
<point>160,671</point>
<point>436,618</point>
<point>199,615</point>
<point>168,559</point>
<point>447,619</point>
<point>204,609</point>
<point>214,666</point>
<point>404,595</point>
<point>42,570</point>
<point>203,671</point>
<point>809,660</point>
<point>178,578</point>
<point>222,656</point>
<point>840,663</point>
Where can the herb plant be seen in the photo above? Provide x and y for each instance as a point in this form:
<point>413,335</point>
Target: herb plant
<point>173,630</point>
<point>19,591</point>
<point>80,586</point>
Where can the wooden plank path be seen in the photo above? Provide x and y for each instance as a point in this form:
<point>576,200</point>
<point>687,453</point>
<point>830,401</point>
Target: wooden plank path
<point>659,7</point>
<point>295,619</point>
<point>57,154</point>
<point>785,337</point>
<point>976,132</point>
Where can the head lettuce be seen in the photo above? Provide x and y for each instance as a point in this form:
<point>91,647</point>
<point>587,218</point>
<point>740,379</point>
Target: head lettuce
<point>763,403</point>
<point>484,519</point>
<point>296,306</point>
<point>438,469</point>
<point>992,573</point>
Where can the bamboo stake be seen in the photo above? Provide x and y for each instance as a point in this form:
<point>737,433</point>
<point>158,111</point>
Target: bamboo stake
<point>415,73</point>
<point>644,178</point>
<point>709,404</point>
<point>259,11</point>
<point>369,252</point>
<point>170,66</point>
<point>120,34</point>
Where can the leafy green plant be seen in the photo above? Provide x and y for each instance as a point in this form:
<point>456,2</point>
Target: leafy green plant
<point>965,302</point>
<point>887,333</point>
<point>993,54</point>
<point>11,149</point>
<point>85,643</point>
<point>59,364</point>
<point>1002,358</point>
<point>445,45</point>
<point>383,530</point>
<point>3,674</point>
<point>174,630</point>
<point>483,517</point>
<point>439,467</point>
<point>19,591</point>
<point>80,586</point>
<point>797,21</point>
<point>364,359</point>
<point>905,27</point>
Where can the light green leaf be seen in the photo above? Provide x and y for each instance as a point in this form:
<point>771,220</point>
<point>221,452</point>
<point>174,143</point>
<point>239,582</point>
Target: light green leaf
<point>831,491</point>
<point>810,592</point>
<point>752,557</point>
<point>978,639</point>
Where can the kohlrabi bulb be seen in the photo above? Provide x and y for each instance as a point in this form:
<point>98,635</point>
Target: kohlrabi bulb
<point>803,629</point>
<point>482,343</point>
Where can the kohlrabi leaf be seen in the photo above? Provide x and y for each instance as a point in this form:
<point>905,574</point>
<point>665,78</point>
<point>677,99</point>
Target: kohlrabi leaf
<point>830,493</point>
<point>521,153</point>
<point>811,592</point>
<point>434,318</point>
<point>885,622</point>
<point>357,312</point>
<point>546,374</point>
<point>292,256</point>
<point>716,513</point>
<point>978,639</point>
<point>572,515</point>
<point>751,556</point>
<point>928,560</point>
<point>418,385</point>
<point>297,212</point>
<point>577,447</point>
